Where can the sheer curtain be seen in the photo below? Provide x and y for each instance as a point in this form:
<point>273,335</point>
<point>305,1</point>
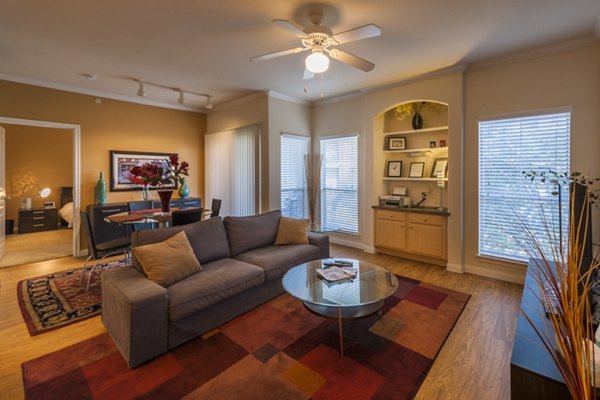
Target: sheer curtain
<point>232,170</point>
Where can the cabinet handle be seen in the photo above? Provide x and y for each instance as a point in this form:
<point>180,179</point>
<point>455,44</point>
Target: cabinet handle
<point>189,202</point>
<point>111,210</point>
<point>411,227</point>
<point>36,225</point>
<point>38,212</point>
<point>38,217</point>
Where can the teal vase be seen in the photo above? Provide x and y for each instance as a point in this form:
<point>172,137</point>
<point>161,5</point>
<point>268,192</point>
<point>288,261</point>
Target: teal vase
<point>184,190</point>
<point>101,190</point>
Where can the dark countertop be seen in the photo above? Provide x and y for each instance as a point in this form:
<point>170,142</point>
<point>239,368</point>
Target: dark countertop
<point>422,210</point>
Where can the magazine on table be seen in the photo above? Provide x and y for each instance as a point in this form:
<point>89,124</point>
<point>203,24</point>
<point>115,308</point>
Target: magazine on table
<point>337,274</point>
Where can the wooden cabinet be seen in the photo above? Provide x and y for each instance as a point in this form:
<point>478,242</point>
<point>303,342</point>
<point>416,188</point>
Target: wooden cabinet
<point>188,202</point>
<point>102,230</point>
<point>414,235</point>
<point>38,220</point>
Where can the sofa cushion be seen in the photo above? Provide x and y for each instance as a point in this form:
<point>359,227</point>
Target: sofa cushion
<point>249,233</point>
<point>207,238</point>
<point>292,231</point>
<point>167,262</point>
<point>277,260</point>
<point>218,280</point>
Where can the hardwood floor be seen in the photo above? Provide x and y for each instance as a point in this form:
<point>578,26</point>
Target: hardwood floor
<point>473,364</point>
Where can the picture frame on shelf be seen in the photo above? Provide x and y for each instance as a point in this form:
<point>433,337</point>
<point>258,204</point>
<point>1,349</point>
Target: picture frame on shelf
<point>443,143</point>
<point>439,165</point>
<point>122,161</point>
<point>432,144</point>
<point>396,143</point>
<point>394,169</point>
<point>417,168</point>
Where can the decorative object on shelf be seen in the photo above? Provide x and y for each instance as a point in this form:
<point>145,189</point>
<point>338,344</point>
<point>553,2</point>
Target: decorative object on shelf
<point>394,169</point>
<point>423,198</point>
<point>442,143</point>
<point>121,163</point>
<point>417,119</point>
<point>165,198</point>
<point>100,190</point>
<point>441,183</point>
<point>164,177</point>
<point>396,143</point>
<point>440,167</point>
<point>312,173</point>
<point>432,144</point>
<point>184,190</point>
<point>416,169</point>
<point>145,193</point>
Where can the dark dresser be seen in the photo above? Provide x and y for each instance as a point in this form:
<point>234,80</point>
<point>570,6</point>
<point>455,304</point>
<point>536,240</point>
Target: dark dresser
<point>38,220</point>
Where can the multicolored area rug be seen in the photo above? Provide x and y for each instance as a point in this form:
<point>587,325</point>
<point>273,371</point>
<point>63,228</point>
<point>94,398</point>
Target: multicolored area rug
<point>55,300</point>
<point>276,351</point>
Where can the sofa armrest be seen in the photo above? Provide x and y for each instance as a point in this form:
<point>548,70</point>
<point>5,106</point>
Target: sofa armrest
<point>321,241</point>
<point>135,313</point>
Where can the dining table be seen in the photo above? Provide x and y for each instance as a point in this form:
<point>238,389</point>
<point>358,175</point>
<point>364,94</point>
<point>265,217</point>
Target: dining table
<point>150,216</point>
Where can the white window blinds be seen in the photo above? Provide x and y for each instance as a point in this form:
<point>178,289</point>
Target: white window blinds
<point>507,147</point>
<point>293,182</point>
<point>339,184</point>
<point>232,170</point>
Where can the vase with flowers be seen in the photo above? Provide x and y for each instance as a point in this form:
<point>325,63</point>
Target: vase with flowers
<point>164,177</point>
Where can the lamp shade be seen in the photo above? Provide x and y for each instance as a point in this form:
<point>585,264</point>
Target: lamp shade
<point>317,62</point>
<point>45,192</point>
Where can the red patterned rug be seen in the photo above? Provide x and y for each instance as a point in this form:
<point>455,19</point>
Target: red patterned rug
<point>276,351</point>
<point>55,300</point>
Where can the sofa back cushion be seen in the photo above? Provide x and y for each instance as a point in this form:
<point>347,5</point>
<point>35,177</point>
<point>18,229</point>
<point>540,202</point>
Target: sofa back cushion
<point>249,233</point>
<point>207,238</point>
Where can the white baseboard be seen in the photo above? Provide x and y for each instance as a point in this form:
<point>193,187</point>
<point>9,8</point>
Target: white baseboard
<point>459,269</point>
<point>369,249</point>
<point>346,242</point>
<point>509,275</point>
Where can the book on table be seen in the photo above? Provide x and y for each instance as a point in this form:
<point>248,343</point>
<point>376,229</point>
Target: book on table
<point>337,274</point>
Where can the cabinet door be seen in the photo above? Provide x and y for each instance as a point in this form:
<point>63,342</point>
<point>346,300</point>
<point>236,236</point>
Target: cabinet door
<point>426,240</point>
<point>104,231</point>
<point>390,234</point>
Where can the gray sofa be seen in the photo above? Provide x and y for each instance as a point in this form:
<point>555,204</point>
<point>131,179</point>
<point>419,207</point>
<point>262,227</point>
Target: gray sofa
<point>241,269</point>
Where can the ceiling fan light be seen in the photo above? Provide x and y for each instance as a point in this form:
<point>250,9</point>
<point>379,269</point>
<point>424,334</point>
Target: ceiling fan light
<point>317,62</point>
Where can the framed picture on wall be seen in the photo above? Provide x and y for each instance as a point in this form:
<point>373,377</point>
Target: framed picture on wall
<point>122,161</point>
<point>439,165</point>
<point>396,143</point>
<point>394,169</point>
<point>416,169</point>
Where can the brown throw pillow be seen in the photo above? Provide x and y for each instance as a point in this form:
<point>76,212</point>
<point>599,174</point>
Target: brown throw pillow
<point>292,231</point>
<point>168,262</point>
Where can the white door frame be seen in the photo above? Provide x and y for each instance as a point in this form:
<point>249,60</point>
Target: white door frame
<point>76,165</point>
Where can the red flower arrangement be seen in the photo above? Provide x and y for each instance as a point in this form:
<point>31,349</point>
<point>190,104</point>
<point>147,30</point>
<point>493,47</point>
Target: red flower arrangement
<point>155,175</point>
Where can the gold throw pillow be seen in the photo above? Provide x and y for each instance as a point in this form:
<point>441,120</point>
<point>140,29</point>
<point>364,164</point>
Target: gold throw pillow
<point>292,231</point>
<point>168,262</point>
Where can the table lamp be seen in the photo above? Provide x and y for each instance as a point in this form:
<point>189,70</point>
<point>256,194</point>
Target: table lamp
<point>26,201</point>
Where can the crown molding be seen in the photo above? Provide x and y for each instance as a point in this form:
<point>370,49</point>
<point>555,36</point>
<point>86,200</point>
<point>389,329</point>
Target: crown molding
<point>287,98</point>
<point>238,101</point>
<point>536,52</point>
<point>97,93</point>
<point>339,98</point>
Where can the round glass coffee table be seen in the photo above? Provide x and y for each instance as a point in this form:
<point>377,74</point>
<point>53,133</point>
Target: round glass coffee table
<point>353,298</point>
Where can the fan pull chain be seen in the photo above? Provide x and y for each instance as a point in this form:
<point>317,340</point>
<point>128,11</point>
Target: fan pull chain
<point>322,85</point>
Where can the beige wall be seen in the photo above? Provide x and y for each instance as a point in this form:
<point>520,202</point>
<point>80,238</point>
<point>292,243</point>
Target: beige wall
<point>112,125</point>
<point>569,78</point>
<point>36,156</point>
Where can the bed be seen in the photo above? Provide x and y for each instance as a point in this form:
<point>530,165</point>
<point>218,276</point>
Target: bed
<point>66,206</point>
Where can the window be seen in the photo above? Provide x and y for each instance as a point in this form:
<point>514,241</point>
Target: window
<point>293,183</point>
<point>339,184</point>
<point>506,148</point>
<point>232,170</point>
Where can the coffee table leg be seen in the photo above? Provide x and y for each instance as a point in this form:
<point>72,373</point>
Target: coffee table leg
<point>341,334</point>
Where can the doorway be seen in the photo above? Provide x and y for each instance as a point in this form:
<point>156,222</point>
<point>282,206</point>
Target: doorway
<point>26,185</point>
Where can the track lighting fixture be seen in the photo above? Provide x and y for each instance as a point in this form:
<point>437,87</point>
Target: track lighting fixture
<point>181,100</point>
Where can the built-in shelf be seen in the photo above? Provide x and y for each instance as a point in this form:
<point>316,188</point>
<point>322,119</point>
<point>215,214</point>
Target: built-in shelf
<point>424,130</point>
<point>413,179</point>
<point>422,151</point>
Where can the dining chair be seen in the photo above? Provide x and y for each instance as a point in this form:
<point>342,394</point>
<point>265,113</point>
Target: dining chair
<point>186,216</point>
<point>215,208</point>
<point>102,250</point>
<point>137,206</point>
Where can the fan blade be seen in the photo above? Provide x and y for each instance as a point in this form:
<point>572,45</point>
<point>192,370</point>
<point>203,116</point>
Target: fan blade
<point>278,54</point>
<point>290,27</point>
<point>308,75</point>
<point>364,32</point>
<point>351,59</point>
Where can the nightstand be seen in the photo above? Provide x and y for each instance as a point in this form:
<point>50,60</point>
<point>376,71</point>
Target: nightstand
<point>38,220</point>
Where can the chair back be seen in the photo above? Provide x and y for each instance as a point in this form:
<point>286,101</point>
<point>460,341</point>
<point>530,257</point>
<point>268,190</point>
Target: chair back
<point>85,221</point>
<point>137,206</point>
<point>215,208</point>
<point>186,216</point>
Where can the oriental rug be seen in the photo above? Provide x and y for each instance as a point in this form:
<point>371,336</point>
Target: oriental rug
<point>279,350</point>
<point>55,300</point>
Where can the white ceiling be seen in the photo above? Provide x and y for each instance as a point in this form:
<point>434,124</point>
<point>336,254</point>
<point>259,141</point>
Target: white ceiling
<point>205,46</point>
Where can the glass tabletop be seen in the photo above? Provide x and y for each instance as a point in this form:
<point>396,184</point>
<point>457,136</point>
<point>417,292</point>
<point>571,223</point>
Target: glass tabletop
<point>372,284</point>
<point>147,216</point>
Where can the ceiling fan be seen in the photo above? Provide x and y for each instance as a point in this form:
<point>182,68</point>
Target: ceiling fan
<point>320,41</point>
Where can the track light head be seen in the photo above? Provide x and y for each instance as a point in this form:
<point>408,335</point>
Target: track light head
<point>141,91</point>
<point>181,97</point>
